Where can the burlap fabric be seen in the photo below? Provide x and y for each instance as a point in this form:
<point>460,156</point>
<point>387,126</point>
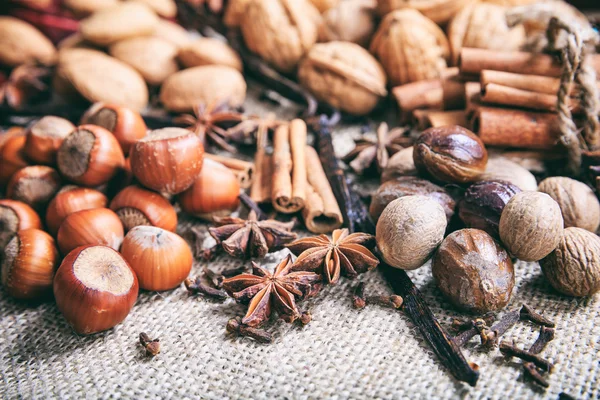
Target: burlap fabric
<point>342,353</point>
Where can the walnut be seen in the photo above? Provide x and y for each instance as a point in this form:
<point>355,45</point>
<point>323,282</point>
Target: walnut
<point>578,203</point>
<point>483,26</point>
<point>502,169</point>
<point>400,164</point>
<point>207,51</point>
<point>410,47</point>
<point>22,43</point>
<point>439,11</point>
<point>349,21</point>
<point>574,267</point>
<point>324,5</point>
<point>531,225</point>
<point>344,75</point>
<point>280,31</point>
<point>234,12</point>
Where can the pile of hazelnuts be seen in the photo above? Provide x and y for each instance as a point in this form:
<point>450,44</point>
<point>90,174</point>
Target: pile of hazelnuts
<point>99,197</point>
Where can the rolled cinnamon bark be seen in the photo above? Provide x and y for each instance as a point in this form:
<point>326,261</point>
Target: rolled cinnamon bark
<point>321,213</point>
<point>430,119</point>
<point>243,170</point>
<point>260,190</point>
<point>516,128</point>
<point>532,83</point>
<point>419,95</point>
<point>503,95</point>
<point>453,90</point>
<point>472,97</point>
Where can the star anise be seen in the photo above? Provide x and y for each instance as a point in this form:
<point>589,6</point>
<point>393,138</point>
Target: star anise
<point>264,291</point>
<point>26,84</point>
<point>330,257</point>
<point>368,151</point>
<point>251,238</point>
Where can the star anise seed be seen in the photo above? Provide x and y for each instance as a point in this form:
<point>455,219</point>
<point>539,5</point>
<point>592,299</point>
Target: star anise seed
<point>330,257</point>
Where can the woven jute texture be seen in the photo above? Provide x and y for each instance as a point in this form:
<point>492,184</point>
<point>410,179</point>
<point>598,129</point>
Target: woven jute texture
<point>343,353</point>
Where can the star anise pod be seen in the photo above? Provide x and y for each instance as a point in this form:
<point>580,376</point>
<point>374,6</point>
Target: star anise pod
<point>264,291</point>
<point>26,85</point>
<point>368,152</point>
<point>251,238</point>
<point>330,257</point>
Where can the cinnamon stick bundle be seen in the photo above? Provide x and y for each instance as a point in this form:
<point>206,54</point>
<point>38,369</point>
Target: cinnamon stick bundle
<point>431,119</point>
<point>472,97</point>
<point>260,190</point>
<point>493,93</point>
<point>243,170</point>
<point>289,167</point>
<point>321,212</point>
<point>532,83</point>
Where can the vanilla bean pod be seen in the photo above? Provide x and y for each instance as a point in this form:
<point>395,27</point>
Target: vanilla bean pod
<point>512,351</point>
<point>252,206</point>
<point>527,313</point>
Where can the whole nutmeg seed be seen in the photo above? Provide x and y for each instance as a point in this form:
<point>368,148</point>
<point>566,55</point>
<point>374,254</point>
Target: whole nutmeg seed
<point>69,200</point>
<point>28,266</point>
<point>482,205</point>
<point>97,226</point>
<point>167,160</point>
<point>531,225</point>
<point>214,193</point>
<point>344,75</point>
<point>410,47</point>
<point>409,230</point>
<point>439,11</point>
<point>125,124</point>
<point>207,51</point>
<point>450,154</point>
<point>136,206</point>
<point>44,137</point>
<point>349,21</point>
<point>16,216</point>
<point>502,169</point>
<point>95,289</point>
<point>578,203</point>
<point>473,271</point>
<point>90,156</point>
<point>399,165</point>
<point>160,259</point>
<point>34,185</point>
<point>409,186</point>
<point>21,43</point>
<point>12,158</point>
<point>573,268</point>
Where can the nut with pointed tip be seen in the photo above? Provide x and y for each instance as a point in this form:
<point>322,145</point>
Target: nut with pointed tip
<point>34,185</point>
<point>98,226</point>
<point>69,200</point>
<point>16,216</point>
<point>138,206</point>
<point>12,158</point>
<point>44,137</point>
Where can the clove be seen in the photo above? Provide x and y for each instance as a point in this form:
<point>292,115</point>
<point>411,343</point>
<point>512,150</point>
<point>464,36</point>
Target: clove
<point>511,351</point>
<point>235,327</point>
<point>527,313</point>
<point>534,374</point>
<point>461,325</point>
<point>546,336</point>
<point>358,297</point>
<point>305,317</point>
<point>195,286</point>
<point>393,301</point>
<point>152,346</point>
<point>489,337</point>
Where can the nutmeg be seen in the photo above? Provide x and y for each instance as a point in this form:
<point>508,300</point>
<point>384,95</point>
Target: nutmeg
<point>136,206</point>
<point>439,11</point>
<point>348,21</point>
<point>450,154</point>
<point>409,230</point>
<point>16,216</point>
<point>410,47</point>
<point>502,169</point>
<point>344,75</point>
<point>208,51</point>
<point>44,137</point>
<point>399,165</point>
<point>12,158</point>
<point>69,200</point>
<point>408,186</point>
<point>22,43</point>
<point>34,185</point>
<point>573,268</point>
<point>208,84</point>
<point>482,205</point>
<point>97,226</point>
<point>290,25</point>
<point>578,203</point>
<point>473,271</point>
<point>531,225</point>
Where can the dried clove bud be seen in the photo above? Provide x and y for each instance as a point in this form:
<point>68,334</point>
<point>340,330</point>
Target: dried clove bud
<point>527,313</point>
<point>393,301</point>
<point>358,297</point>
<point>461,325</point>
<point>152,346</point>
<point>511,351</point>
<point>195,286</point>
<point>235,327</point>
<point>305,317</point>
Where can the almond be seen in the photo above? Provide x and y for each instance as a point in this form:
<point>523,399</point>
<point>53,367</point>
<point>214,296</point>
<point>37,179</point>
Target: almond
<point>152,57</point>
<point>172,33</point>
<point>22,43</point>
<point>207,51</point>
<point>87,7</point>
<point>164,8</point>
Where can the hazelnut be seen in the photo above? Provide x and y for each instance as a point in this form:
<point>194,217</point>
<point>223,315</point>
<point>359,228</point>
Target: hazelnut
<point>450,154</point>
<point>473,271</point>
<point>136,206</point>
<point>531,225</point>
<point>578,203</point>
<point>22,43</point>
<point>12,158</point>
<point>409,230</point>
<point>439,11</point>
<point>207,51</point>
<point>408,186</point>
<point>69,200</point>
<point>483,203</point>
<point>399,165</point>
<point>44,137</point>
<point>96,226</point>
<point>502,169</point>
<point>349,21</point>
<point>35,186</point>
<point>16,216</point>
<point>573,268</point>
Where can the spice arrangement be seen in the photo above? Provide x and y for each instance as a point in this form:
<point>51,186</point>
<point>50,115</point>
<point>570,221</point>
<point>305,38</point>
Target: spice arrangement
<point>132,120</point>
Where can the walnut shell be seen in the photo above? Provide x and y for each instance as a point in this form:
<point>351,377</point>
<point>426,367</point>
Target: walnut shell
<point>450,154</point>
<point>87,7</point>
<point>439,11</point>
<point>502,169</point>
<point>164,8</point>
<point>117,23</point>
<point>206,51</point>
<point>172,33</point>
<point>400,164</point>
<point>410,47</point>
<point>350,21</point>
<point>98,77</point>
<point>344,75</point>
<point>280,31</point>
<point>483,26</point>
<point>409,230</point>
<point>573,268</point>
<point>531,225</point>
<point>324,5</point>
<point>22,43</point>
<point>473,271</point>
<point>234,12</point>
<point>153,58</point>
<point>409,186</point>
<point>578,203</point>
<point>186,89</point>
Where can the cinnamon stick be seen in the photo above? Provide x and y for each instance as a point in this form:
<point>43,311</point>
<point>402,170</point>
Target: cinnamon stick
<point>504,95</point>
<point>430,119</point>
<point>321,212</point>
<point>243,170</point>
<point>472,97</point>
<point>532,83</point>
<point>419,95</point>
<point>260,190</point>
<point>453,90</point>
<point>516,128</point>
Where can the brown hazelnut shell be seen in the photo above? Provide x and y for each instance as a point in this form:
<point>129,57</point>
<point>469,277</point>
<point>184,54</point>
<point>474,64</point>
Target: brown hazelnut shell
<point>12,158</point>
<point>137,206</point>
<point>44,137</point>
<point>16,216</point>
<point>34,185</point>
<point>69,200</point>
<point>97,226</point>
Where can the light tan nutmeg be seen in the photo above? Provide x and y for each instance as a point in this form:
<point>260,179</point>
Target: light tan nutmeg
<point>531,225</point>
<point>501,168</point>
<point>574,267</point>
<point>22,43</point>
<point>152,57</point>
<point>186,89</point>
<point>578,203</point>
<point>324,5</point>
<point>483,26</point>
<point>349,21</point>
<point>439,11</point>
<point>410,47</point>
<point>344,75</point>
<point>409,230</point>
<point>280,31</point>
<point>400,164</point>
<point>207,51</point>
